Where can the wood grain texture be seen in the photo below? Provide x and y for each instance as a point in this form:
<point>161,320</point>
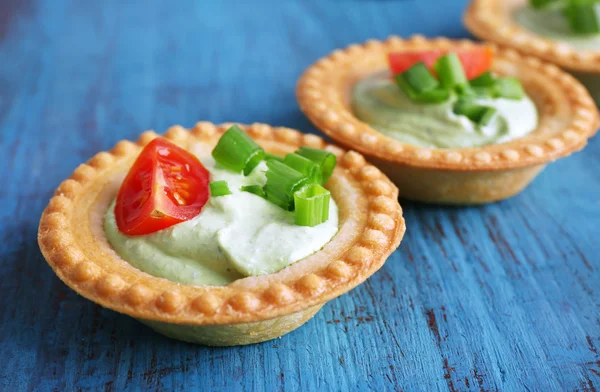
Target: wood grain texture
<point>503,297</point>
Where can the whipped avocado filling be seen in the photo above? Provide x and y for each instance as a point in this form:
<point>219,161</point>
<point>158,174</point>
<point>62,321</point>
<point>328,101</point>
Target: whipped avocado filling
<point>234,236</point>
<point>551,23</point>
<point>378,101</point>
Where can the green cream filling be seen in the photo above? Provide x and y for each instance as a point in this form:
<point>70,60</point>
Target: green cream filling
<point>234,236</point>
<point>378,101</point>
<point>551,23</point>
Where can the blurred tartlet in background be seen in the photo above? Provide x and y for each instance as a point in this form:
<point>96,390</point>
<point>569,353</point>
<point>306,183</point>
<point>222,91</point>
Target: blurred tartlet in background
<point>438,115</point>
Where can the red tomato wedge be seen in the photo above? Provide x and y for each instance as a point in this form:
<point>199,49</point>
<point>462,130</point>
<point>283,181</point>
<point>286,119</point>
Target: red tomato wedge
<point>166,185</point>
<point>475,61</point>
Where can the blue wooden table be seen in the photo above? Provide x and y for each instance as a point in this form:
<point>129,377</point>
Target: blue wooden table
<point>503,297</point>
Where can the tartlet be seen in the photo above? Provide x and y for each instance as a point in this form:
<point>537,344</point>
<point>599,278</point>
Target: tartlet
<point>492,20</point>
<point>567,118</point>
<point>249,310</point>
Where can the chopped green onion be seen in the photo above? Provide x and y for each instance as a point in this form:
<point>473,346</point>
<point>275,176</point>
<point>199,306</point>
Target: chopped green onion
<point>437,95</point>
<point>282,182</point>
<point>483,92</point>
<point>465,108</point>
<point>487,116</point>
<point>509,88</point>
<point>486,79</point>
<point>541,3</point>
<point>312,205</point>
<point>583,16</point>
<point>269,156</point>
<point>465,90</point>
<point>479,114</point>
<point>305,166</point>
<point>450,71</point>
<point>416,80</point>
<point>219,188</point>
<point>254,189</point>
<point>324,159</point>
<point>237,152</point>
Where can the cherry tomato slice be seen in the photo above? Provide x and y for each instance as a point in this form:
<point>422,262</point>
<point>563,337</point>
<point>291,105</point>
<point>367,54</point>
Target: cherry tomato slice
<point>475,61</point>
<point>166,185</point>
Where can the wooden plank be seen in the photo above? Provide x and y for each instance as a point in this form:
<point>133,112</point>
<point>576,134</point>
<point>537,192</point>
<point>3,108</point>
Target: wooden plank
<point>503,297</point>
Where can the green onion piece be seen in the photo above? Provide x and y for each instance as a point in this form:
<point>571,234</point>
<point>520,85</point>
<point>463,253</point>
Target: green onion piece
<point>219,188</point>
<point>465,90</point>
<point>450,71</point>
<point>268,157</point>
<point>583,16</point>
<point>254,189</point>
<point>479,114</point>
<point>305,166</point>
<point>509,88</point>
<point>437,95</point>
<point>486,79</point>
<point>312,205</point>
<point>416,80</point>
<point>482,92</point>
<point>541,3</point>
<point>237,152</point>
<point>282,182</point>
<point>324,159</point>
<point>487,116</point>
<point>466,108</point>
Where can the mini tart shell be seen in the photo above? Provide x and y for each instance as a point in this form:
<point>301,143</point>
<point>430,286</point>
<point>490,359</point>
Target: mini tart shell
<point>492,20</point>
<point>81,256</point>
<point>567,118</point>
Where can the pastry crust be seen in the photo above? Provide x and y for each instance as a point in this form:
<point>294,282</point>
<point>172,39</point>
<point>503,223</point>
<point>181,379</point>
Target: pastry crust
<point>567,113</point>
<point>492,20</point>
<point>70,237</point>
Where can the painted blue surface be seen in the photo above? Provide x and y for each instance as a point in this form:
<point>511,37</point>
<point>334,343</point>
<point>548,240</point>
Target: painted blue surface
<point>503,297</point>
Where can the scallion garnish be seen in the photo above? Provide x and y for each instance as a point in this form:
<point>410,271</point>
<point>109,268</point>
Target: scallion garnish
<point>312,205</point>
<point>297,176</point>
<point>282,182</point>
<point>487,116</point>
<point>254,189</point>
<point>509,88</point>
<point>324,159</point>
<point>583,16</point>
<point>416,80</point>
<point>269,156</point>
<point>486,79</point>
<point>236,151</point>
<point>465,90</point>
<point>541,3</point>
<point>437,95</point>
<point>450,71</point>
<point>305,166</point>
<point>479,114</point>
<point>219,188</point>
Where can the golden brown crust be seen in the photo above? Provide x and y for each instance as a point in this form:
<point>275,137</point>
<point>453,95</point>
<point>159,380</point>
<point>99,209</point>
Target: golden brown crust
<point>568,115</point>
<point>492,20</point>
<point>88,265</point>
